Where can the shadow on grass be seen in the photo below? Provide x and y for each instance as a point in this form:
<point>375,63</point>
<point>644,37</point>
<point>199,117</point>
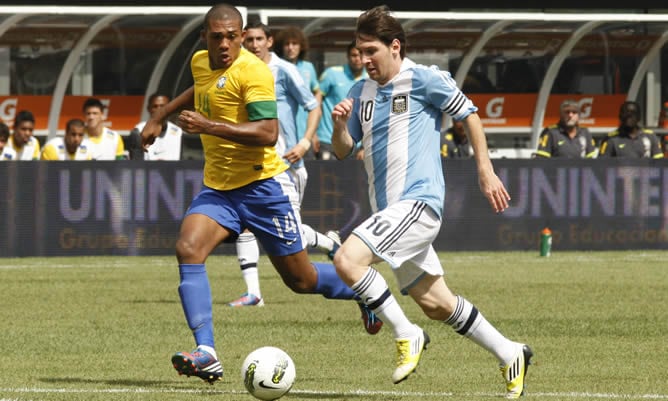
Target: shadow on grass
<point>305,395</point>
<point>132,383</point>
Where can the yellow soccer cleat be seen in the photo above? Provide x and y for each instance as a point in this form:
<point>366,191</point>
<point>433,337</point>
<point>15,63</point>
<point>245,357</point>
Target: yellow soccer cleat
<point>515,372</point>
<point>409,351</point>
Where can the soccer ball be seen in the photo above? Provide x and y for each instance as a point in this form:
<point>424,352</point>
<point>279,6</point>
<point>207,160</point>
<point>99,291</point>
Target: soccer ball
<point>268,373</point>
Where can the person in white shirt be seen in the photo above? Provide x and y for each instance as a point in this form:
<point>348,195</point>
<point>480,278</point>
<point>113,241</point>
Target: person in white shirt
<point>71,146</point>
<point>167,146</point>
<point>6,152</point>
<point>22,140</point>
<point>105,144</point>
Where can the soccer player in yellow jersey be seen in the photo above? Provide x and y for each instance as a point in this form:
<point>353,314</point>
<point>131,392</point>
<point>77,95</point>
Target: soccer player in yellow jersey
<point>245,182</point>
<point>71,146</point>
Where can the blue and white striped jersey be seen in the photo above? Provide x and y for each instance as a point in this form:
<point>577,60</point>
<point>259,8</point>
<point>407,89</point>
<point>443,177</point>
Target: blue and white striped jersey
<point>399,126</point>
<point>291,93</point>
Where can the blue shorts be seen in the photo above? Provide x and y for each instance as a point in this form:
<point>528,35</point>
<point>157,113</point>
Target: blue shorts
<point>266,208</point>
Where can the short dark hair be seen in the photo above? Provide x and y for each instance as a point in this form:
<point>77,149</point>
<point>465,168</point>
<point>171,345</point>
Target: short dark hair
<point>4,131</point>
<point>222,11</point>
<point>92,102</point>
<point>155,96</point>
<point>378,23</point>
<point>257,24</point>
<point>291,33</point>
<point>24,115</point>
<point>351,45</point>
<point>75,122</point>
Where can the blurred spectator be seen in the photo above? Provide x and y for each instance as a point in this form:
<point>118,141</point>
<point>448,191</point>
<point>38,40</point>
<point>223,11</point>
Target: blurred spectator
<point>6,152</point>
<point>455,144</point>
<point>22,140</point>
<point>630,139</point>
<point>335,82</point>
<point>72,146</point>
<point>105,144</point>
<point>167,146</point>
<point>291,44</point>
<point>567,138</point>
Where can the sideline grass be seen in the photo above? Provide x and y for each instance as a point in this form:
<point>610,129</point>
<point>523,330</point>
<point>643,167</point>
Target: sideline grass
<point>104,328</point>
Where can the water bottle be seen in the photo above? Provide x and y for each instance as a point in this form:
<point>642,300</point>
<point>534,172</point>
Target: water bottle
<point>545,242</point>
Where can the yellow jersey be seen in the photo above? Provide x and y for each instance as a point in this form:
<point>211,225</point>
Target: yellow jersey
<point>240,93</point>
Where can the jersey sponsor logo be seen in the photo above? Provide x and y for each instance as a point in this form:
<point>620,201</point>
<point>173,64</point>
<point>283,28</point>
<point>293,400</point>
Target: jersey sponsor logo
<point>399,104</point>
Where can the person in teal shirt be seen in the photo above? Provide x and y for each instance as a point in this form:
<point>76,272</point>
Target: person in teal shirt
<point>335,82</point>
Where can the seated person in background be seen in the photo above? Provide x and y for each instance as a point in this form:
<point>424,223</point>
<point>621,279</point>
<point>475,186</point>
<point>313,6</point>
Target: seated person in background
<point>104,144</point>
<point>71,146</point>
<point>6,152</point>
<point>22,140</point>
<point>567,138</point>
<point>630,139</point>
<point>455,144</point>
<point>167,146</point>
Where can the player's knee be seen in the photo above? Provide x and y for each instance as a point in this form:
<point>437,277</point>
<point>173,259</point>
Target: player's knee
<point>343,263</point>
<point>188,252</point>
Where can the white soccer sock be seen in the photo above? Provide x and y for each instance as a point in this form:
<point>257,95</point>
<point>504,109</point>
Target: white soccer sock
<point>248,254</point>
<point>315,239</point>
<point>469,322</point>
<point>372,288</point>
<point>208,349</point>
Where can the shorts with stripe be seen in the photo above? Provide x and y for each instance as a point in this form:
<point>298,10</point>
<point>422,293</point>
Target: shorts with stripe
<point>268,208</point>
<point>401,235</point>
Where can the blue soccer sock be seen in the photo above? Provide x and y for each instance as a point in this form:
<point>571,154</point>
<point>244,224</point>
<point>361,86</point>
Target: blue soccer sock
<point>330,284</point>
<point>196,301</point>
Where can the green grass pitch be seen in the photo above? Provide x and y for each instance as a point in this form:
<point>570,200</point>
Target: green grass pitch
<point>104,328</point>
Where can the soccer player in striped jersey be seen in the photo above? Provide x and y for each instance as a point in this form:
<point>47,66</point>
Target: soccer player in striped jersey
<point>71,146</point>
<point>292,45</point>
<point>396,115</point>
<point>245,182</point>
<point>292,94</point>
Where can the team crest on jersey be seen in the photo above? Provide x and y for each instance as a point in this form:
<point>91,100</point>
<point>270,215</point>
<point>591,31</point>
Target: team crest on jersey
<point>399,104</point>
<point>221,82</point>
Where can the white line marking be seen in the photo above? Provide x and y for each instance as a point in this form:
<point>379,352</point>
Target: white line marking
<point>331,393</point>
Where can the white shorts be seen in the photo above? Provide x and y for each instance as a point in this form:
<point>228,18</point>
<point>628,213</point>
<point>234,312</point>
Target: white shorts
<point>402,235</point>
<point>299,177</point>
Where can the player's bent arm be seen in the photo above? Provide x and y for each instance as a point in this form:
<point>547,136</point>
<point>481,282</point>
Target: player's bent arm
<point>153,126</point>
<point>342,142</point>
<point>312,121</point>
<point>252,133</point>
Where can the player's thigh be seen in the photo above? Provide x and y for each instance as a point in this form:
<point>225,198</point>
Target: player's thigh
<point>296,271</point>
<point>269,211</point>
<point>399,232</point>
<point>200,234</point>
